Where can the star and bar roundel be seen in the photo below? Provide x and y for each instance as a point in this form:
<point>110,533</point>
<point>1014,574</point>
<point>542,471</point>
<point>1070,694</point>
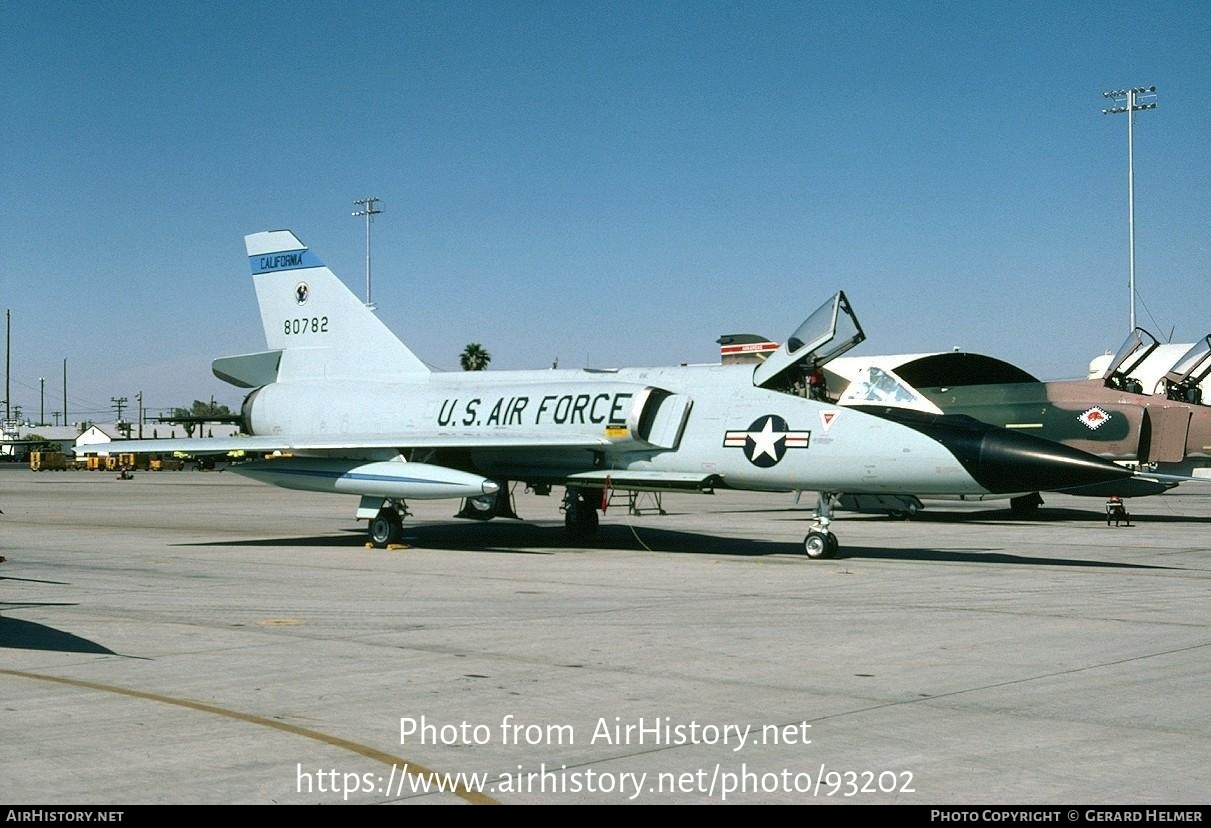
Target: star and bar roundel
<point>766,440</point>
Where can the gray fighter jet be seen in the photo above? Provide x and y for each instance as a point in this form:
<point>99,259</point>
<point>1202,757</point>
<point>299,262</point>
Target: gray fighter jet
<point>350,409</point>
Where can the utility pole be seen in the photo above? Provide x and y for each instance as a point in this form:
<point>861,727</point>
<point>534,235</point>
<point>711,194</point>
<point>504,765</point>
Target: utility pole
<point>64,390</point>
<point>119,403</point>
<point>42,410</point>
<point>369,210</point>
<point>139,397</point>
<point>1130,101</point>
<point>8,350</point>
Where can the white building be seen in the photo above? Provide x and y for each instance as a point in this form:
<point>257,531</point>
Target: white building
<point>109,432</point>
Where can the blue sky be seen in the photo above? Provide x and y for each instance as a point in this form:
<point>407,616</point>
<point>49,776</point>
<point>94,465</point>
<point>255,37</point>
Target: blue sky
<point>599,183</point>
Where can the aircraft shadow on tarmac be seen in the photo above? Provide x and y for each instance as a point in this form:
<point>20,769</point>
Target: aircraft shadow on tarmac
<point>990,517</point>
<point>17,634</point>
<point>523,538</point>
<point>1003,517</point>
<point>33,580</point>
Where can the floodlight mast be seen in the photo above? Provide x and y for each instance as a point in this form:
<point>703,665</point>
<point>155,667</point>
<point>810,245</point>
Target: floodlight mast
<point>1130,101</point>
<point>369,210</point>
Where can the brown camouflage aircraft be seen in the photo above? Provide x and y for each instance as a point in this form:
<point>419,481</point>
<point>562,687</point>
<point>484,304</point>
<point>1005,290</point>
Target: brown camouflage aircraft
<point>1163,429</point>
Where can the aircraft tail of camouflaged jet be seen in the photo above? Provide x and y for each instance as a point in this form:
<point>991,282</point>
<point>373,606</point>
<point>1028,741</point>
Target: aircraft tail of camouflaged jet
<point>358,413</point>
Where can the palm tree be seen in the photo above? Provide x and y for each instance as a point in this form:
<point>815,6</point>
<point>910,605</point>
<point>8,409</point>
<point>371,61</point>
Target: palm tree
<point>474,357</point>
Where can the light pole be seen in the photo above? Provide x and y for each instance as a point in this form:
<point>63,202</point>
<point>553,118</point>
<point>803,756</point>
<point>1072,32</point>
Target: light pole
<point>42,410</point>
<point>368,210</point>
<point>1130,101</point>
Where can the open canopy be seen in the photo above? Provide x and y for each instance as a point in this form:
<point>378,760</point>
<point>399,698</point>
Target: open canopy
<point>1194,365</point>
<point>831,330</point>
<point>1130,356</point>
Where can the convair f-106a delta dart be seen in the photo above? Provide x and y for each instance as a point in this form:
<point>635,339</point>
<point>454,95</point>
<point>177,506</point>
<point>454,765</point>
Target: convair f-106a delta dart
<point>358,413</point>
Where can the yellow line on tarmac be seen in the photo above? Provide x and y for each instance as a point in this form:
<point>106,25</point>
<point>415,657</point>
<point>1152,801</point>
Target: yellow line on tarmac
<point>419,771</point>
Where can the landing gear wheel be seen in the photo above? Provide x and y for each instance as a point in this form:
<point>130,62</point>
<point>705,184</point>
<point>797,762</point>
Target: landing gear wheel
<point>386,529</point>
<point>478,508</point>
<point>581,522</point>
<point>580,517</point>
<point>819,544</point>
<point>1025,506</point>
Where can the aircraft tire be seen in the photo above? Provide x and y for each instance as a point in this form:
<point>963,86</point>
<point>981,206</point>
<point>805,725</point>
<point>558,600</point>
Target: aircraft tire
<point>819,544</point>
<point>1025,506</point>
<point>580,520</point>
<point>478,508</point>
<point>385,529</point>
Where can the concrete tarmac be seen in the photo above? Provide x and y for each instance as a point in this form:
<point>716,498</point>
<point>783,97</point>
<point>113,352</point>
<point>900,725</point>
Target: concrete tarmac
<point>193,637</point>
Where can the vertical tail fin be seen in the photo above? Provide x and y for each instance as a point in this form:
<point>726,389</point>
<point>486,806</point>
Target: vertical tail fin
<point>321,328</point>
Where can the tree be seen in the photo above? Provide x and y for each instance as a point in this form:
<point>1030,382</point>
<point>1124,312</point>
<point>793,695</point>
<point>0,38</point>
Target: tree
<point>199,411</point>
<point>474,357</point>
<point>209,409</point>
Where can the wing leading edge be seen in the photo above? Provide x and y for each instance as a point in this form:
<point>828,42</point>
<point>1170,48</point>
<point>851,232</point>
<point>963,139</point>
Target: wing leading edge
<point>222,445</point>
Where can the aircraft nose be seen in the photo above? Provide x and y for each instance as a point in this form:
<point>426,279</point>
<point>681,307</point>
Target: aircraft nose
<point>1009,461</point>
<point>1005,461</point>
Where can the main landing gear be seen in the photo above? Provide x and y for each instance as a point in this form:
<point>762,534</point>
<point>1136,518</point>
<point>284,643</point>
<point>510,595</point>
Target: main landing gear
<point>490,506</point>
<point>820,542</point>
<point>579,513</point>
<point>387,527</point>
<point>1025,506</point>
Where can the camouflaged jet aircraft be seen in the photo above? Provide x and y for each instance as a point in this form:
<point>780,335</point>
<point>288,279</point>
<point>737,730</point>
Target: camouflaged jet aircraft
<point>358,413</point>
<point>1160,427</point>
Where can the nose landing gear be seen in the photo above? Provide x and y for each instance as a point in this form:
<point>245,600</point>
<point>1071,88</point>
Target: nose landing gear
<point>820,542</point>
<point>387,527</point>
